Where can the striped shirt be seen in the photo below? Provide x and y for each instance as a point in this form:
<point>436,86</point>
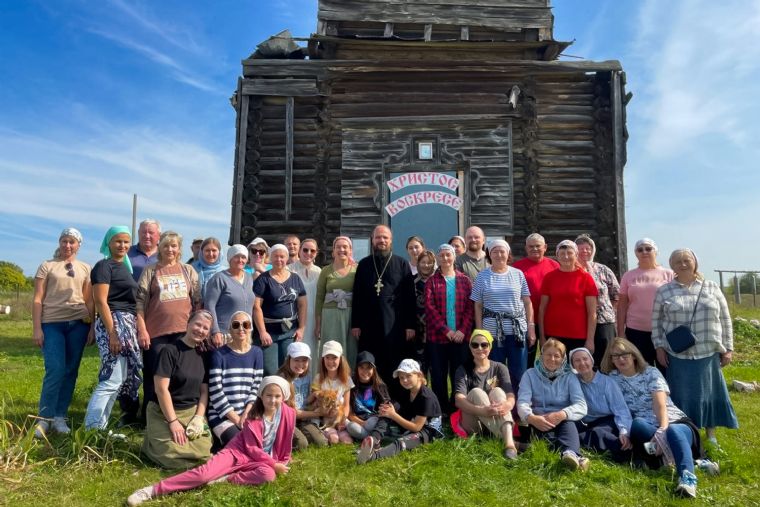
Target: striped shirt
<point>674,305</point>
<point>502,293</point>
<point>233,381</point>
<point>603,398</point>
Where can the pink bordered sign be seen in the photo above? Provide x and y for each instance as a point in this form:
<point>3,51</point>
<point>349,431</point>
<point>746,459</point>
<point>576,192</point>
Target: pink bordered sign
<point>423,178</point>
<point>425,197</point>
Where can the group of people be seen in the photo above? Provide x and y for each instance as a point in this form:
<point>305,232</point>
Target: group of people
<point>224,353</point>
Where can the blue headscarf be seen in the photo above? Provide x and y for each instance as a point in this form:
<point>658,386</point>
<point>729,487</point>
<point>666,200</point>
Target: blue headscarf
<point>110,233</point>
<point>206,271</point>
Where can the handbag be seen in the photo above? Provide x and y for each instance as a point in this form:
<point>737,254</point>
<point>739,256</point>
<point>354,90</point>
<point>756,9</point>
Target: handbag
<point>682,338</point>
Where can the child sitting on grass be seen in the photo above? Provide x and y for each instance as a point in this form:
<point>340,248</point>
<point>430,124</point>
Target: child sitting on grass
<point>367,395</point>
<point>419,414</point>
<point>256,455</point>
<point>295,369</point>
<point>333,383</point>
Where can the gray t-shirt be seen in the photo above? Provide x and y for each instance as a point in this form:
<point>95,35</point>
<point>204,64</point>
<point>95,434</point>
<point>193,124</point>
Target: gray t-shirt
<point>497,375</point>
<point>470,266</point>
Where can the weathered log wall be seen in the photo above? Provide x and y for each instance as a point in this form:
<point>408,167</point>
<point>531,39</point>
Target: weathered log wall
<point>548,166</point>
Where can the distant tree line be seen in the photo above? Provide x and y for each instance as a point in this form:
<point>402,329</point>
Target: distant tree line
<point>745,283</point>
<point>12,277</point>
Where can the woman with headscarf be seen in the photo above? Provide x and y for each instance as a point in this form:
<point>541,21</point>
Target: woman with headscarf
<point>114,291</point>
<point>426,266</point>
<point>258,258</point>
<point>568,301</point>
<point>658,424</point>
<point>448,323</point>
<point>176,433</point>
<point>229,291</point>
<point>694,374</point>
<point>637,290</point>
<point>483,392</point>
<point>209,262</point>
<point>279,310</point>
<point>551,400</point>
<point>460,247</point>
<point>62,312</point>
<point>167,293</point>
<point>607,425</point>
<point>333,301</point>
<point>609,293</point>
<point>503,308</point>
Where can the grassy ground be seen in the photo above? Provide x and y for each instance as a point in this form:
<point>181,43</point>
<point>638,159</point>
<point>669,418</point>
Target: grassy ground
<point>88,469</point>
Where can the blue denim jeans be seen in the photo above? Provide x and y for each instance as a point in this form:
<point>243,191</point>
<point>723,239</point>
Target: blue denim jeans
<point>274,355</point>
<point>513,355</point>
<point>104,396</point>
<point>679,438</point>
<point>62,353</point>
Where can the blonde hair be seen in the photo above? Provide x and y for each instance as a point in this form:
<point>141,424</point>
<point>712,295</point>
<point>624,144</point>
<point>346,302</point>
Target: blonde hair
<point>167,237</point>
<point>551,343</point>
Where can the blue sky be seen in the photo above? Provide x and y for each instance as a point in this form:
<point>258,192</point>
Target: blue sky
<point>100,100</point>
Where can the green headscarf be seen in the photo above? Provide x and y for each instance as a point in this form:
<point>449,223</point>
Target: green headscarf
<point>110,233</point>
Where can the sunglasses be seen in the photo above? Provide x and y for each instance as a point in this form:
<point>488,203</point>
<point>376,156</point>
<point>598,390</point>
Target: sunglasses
<point>644,249</point>
<point>622,355</point>
<point>309,250</point>
<point>237,324</point>
<point>479,345</point>
<point>257,252</point>
<point>70,269</point>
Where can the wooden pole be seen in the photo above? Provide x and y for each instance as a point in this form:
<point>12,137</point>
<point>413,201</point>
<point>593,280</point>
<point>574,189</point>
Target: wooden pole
<point>134,215</point>
<point>737,290</point>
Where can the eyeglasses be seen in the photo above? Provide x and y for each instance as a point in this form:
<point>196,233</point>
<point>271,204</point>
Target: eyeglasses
<point>479,345</point>
<point>644,249</point>
<point>622,355</point>
<point>70,269</point>
<point>237,324</point>
<point>257,252</point>
<point>309,250</point>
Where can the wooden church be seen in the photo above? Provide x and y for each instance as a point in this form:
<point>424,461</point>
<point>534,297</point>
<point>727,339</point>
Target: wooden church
<point>430,116</point>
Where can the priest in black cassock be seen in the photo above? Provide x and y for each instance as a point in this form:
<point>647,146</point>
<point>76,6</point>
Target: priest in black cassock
<point>383,307</point>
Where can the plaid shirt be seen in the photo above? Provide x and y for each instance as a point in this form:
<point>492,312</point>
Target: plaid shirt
<point>673,306</point>
<point>609,292</point>
<point>435,307</point>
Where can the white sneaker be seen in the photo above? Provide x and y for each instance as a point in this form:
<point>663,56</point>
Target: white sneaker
<point>219,479</point>
<point>41,429</point>
<point>687,485</point>
<point>708,467</point>
<point>366,451</point>
<point>60,426</point>
<point>570,460</point>
<point>140,496</point>
<point>116,436</point>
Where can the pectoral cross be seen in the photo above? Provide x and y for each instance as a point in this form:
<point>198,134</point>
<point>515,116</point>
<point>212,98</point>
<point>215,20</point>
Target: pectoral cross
<point>378,286</point>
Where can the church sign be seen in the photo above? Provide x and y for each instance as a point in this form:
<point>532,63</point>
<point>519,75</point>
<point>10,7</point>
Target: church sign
<point>423,178</point>
<point>426,197</point>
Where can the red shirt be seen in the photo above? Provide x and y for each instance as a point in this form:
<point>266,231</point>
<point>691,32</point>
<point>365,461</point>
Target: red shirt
<point>565,314</point>
<point>534,274</point>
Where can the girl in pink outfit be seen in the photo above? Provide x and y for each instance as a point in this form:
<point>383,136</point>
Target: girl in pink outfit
<point>255,456</point>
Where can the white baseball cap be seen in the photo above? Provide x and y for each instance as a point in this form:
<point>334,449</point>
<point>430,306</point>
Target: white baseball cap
<point>332,348</point>
<point>299,349</point>
<point>407,366</point>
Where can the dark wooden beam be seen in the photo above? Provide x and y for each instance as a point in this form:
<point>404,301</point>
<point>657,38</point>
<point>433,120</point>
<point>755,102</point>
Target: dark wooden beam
<point>242,131</point>
<point>281,87</point>
<point>618,157</point>
<point>289,112</point>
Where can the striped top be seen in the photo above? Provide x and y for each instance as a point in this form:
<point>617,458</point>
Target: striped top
<point>503,293</point>
<point>233,381</point>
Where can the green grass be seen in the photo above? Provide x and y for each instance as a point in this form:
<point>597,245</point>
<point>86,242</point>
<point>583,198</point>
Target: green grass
<point>88,469</point>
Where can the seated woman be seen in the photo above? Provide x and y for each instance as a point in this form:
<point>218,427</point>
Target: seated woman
<point>483,392</point>
<point>176,435</point>
<point>550,400</point>
<point>256,456</point>
<point>607,424</point>
<point>656,419</point>
<point>235,372</point>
